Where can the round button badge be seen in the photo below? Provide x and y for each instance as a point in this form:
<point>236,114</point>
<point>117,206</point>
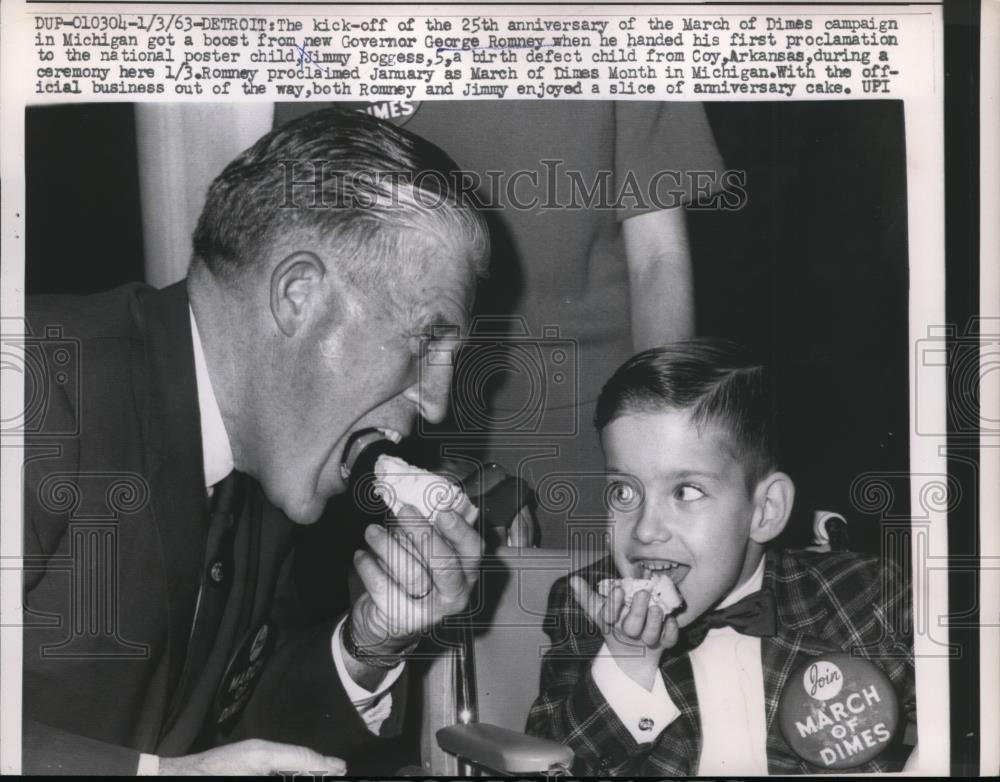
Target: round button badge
<point>241,675</point>
<point>838,711</point>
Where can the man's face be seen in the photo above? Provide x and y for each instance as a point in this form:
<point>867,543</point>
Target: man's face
<point>364,362</point>
<point>678,503</point>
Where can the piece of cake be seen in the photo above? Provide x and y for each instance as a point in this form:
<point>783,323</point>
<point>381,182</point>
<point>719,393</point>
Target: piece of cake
<point>662,591</point>
<point>399,483</point>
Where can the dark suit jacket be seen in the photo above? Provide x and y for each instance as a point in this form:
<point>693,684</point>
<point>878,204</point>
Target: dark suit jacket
<point>826,602</point>
<point>116,527</point>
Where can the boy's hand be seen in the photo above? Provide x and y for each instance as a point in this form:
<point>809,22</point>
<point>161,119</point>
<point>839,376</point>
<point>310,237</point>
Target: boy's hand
<point>636,636</point>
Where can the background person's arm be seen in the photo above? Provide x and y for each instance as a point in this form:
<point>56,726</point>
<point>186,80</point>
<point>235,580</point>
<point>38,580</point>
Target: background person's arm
<point>660,277</point>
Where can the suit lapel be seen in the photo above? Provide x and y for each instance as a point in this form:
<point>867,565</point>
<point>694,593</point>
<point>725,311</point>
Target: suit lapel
<point>176,474</point>
<point>253,555</point>
<point>223,618</point>
<point>172,434</point>
<point>678,748</point>
<point>797,639</point>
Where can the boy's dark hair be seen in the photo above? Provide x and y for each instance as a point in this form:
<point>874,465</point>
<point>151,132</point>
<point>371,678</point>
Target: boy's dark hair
<point>714,379</point>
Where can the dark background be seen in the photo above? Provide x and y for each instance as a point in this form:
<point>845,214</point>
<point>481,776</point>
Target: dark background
<point>84,225</point>
<point>813,274</point>
<point>812,271</point>
<point>961,219</point>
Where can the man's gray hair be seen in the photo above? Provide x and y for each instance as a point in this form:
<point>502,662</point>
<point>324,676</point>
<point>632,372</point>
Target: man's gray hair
<point>349,178</point>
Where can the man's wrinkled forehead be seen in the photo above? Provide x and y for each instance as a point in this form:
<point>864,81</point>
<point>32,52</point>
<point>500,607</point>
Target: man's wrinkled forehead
<point>434,302</point>
<point>441,287</point>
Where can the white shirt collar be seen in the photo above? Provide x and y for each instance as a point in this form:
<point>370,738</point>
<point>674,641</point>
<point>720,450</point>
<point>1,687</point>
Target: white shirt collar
<point>216,452</point>
<point>748,587</point>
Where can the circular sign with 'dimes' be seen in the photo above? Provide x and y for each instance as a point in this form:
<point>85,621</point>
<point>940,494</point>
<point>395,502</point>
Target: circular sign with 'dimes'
<point>242,673</point>
<point>838,711</point>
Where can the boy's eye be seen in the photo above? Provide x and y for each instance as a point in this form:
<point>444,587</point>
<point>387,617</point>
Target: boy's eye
<point>688,493</point>
<point>623,495</point>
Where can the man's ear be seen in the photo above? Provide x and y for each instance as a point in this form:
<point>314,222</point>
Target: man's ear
<point>296,287</point>
<point>773,500</point>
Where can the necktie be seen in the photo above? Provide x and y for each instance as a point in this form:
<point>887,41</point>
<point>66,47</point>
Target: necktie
<point>227,495</point>
<point>754,615</point>
<point>225,507</point>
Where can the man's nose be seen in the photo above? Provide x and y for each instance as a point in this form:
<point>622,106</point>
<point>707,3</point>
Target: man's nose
<point>653,525</point>
<point>430,393</point>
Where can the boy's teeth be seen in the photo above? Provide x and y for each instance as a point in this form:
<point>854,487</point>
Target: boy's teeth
<point>649,568</point>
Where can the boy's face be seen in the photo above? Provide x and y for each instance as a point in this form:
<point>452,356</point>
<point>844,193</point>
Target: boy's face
<point>678,502</point>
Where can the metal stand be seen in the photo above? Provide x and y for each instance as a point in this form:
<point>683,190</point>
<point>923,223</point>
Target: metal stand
<point>466,704</point>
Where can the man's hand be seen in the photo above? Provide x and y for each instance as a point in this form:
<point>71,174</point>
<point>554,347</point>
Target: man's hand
<point>253,758</point>
<point>416,573</point>
<point>636,636</point>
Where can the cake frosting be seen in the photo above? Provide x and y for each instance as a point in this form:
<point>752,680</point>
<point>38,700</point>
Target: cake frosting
<point>399,483</point>
<point>662,591</point>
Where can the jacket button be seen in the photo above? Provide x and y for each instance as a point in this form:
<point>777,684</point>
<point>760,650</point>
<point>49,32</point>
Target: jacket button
<point>217,572</point>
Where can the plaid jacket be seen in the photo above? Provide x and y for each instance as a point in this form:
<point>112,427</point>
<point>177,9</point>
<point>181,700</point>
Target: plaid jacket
<point>826,602</point>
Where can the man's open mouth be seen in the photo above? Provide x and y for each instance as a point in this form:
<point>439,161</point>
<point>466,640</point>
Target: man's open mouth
<point>675,571</point>
<point>359,441</point>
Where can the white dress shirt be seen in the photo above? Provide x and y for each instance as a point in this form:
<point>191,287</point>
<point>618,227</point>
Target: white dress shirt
<point>217,458</point>
<point>729,683</point>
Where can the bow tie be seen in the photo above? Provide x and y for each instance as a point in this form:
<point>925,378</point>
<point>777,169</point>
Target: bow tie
<point>754,615</point>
